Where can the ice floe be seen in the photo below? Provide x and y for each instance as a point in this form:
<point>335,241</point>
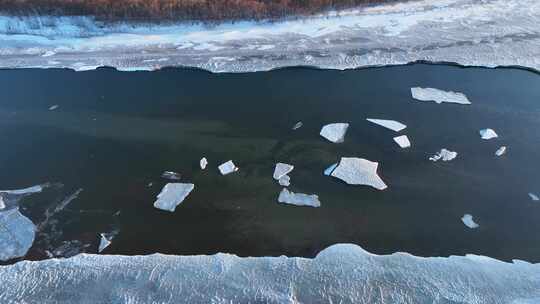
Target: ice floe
<point>501,151</point>
<point>172,195</point>
<point>298,199</point>
<point>467,219</point>
<point>342,273</point>
<point>282,169</point>
<point>534,197</point>
<point>359,171</point>
<point>389,124</point>
<point>328,171</point>
<point>488,134</point>
<point>227,168</point>
<point>16,234</point>
<point>104,242</point>
<point>171,175</point>
<point>203,163</point>
<point>285,181</point>
<point>53,107</point>
<point>439,96</point>
<point>26,191</point>
<point>335,132</point>
<point>298,125</point>
<point>403,141</point>
<point>444,154</point>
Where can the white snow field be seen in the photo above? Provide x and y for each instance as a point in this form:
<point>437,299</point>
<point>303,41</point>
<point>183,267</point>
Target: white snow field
<point>342,273</point>
<point>468,32</point>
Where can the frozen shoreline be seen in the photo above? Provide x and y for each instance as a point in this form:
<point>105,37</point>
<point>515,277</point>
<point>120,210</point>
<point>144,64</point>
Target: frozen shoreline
<point>490,33</point>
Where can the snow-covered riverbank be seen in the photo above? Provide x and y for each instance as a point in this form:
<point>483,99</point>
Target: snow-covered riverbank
<point>468,32</point>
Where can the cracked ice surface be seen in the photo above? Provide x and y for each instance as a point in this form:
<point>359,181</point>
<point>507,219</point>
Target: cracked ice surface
<point>469,32</point>
<point>343,273</point>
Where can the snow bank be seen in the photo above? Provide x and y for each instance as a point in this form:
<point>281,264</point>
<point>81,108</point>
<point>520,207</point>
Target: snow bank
<point>343,273</point>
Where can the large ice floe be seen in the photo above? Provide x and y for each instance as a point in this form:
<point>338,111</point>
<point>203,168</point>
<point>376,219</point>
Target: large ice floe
<point>439,96</point>
<point>298,199</point>
<point>17,232</point>
<point>335,132</point>
<point>469,32</point>
<point>342,273</point>
<point>359,171</point>
<point>172,195</point>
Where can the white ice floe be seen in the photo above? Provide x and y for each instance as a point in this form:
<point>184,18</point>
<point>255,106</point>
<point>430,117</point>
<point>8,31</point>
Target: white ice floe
<point>298,125</point>
<point>488,134</point>
<point>298,199</point>
<point>389,124</point>
<point>2,203</point>
<point>227,168</point>
<point>16,234</point>
<point>500,151</point>
<point>285,181</point>
<point>53,107</point>
<point>467,219</point>
<point>172,195</point>
<point>359,171</point>
<point>104,242</point>
<point>25,191</point>
<point>439,96</point>
<point>534,197</point>
<point>171,175</point>
<point>444,154</point>
<point>282,169</point>
<point>203,163</point>
<point>403,141</point>
<point>330,169</point>
<point>335,132</point>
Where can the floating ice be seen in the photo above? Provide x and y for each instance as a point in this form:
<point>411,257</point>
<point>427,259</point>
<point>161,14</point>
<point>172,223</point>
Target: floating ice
<point>53,107</point>
<point>171,175</point>
<point>402,141</point>
<point>285,181</point>
<point>298,125</point>
<point>282,169</point>
<point>335,132</point>
<point>534,197</point>
<point>500,151</point>
<point>330,169</point>
<point>172,195</point>
<point>467,219</point>
<point>298,199</point>
<point>26,191</point>
<point>227,168</point>
<point>389,124</point>
<point>445,155</point>
<point>359,171</point>
<point>104,242</point>
<point>439,96</point>
<point>203,163</point>
<point>488,134</point>
<point>16,234</point>
<point>2,203</point>
<point>48,54</point>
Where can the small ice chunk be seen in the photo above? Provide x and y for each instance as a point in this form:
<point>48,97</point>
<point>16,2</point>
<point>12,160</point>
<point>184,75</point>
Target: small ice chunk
<point>335,132</point>
<point>298,125</point>
<point>500,151</point>
<point>359,171</point>
<point>330,169</point>
<point>53,107</point>
<point>285,181</point>
<point>439,96</point>
<point>103,243</point>
<point>203,163</point>
<point>2,203</point>
<point>171,175</point>
<point>298,199</point>
<point>172,195</point>
<point>534,197</point>
<point>488,134</point>
<point>227,168</point>
<point>445,155</point>
<point>467,219</point>
<point>389,124</point>
<point>403,141</point>
<point>282,169</point>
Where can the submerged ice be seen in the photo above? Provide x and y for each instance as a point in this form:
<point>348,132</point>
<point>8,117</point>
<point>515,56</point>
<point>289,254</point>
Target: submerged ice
<point>359,171</point>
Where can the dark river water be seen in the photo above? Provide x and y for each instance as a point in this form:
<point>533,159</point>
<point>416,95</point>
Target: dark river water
<point>114,134</point>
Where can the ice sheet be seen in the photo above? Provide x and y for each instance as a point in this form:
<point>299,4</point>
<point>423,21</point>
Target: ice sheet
<point>172,195</point>
<point>359,171</point>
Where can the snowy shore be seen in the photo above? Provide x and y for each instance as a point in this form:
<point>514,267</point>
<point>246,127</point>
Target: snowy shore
<point>467,32</point>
